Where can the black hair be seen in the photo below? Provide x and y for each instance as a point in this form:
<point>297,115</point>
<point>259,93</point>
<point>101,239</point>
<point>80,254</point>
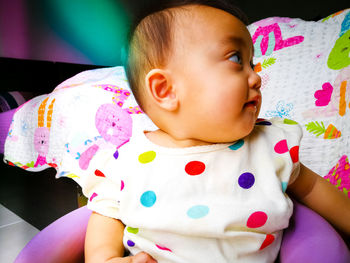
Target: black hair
<point>150,36</point>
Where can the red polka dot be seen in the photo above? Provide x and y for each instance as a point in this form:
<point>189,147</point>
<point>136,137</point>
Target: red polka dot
<point>99,173</point>
<point>195,168</point>
<point>52,165</point>
<point>294,154</point>
<point>268,241</point>
<point>257,219</point>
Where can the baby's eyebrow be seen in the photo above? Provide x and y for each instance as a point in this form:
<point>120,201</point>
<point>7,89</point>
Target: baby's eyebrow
<point>236,40</point>
<point>233,40</point>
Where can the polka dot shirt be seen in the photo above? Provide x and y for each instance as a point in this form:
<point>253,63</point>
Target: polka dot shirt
<point>216,203</point>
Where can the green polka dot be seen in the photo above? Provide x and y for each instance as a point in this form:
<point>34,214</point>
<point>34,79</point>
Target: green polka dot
<point>290,122</point>
<point>147,157</point>
<point>132,230</point>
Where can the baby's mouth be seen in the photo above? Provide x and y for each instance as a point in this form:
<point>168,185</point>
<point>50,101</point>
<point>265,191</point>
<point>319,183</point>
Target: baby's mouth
<point>253,103</point>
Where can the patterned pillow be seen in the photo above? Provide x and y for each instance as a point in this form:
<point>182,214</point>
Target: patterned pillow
<point>305,71</point>
<point>89,112</point>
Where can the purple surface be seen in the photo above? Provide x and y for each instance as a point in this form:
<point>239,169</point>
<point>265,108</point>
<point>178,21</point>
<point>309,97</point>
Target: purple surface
<point>62,241</point>
<point>310,238</point>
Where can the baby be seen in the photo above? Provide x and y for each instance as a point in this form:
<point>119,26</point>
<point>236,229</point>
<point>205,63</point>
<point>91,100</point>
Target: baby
<point>210,184</point>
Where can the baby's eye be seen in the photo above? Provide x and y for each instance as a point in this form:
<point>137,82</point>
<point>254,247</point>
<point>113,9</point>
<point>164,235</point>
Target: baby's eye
<point>236,58</point>
<point>252,64</point>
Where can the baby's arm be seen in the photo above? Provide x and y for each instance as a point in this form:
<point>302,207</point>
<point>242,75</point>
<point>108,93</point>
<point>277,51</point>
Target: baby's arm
<point>322,197</point>
<point>104,242</point>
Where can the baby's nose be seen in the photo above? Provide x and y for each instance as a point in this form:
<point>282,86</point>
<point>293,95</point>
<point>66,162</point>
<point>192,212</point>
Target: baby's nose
<point>255,80</point>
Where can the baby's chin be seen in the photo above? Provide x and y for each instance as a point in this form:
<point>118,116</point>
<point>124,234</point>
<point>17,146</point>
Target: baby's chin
<point>229,137</point>
<point>243,132</point>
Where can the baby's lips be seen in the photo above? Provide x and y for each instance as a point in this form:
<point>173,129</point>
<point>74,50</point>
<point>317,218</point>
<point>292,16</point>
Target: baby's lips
<point>254,101</point>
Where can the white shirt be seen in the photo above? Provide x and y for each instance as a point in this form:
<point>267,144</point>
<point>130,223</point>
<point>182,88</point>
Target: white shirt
<point>216,203</point>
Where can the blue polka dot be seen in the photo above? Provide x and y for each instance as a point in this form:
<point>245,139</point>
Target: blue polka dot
<point>130,243</point>
<point>148,198</point>
<point>198,211</point>
<point>238,144</point>
<point>246,180</point>
<point>284,186</point>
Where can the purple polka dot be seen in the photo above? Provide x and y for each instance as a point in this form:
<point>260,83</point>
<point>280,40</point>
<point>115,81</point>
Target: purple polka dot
<point>116,154</point>
<point>130,243</point>
<point>263,122</point>
<point>246,180</point>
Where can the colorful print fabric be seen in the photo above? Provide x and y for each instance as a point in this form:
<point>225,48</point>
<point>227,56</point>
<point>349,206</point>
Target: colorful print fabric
<point>92,111</point>
<point>223,202</point>
<point>305,71</point>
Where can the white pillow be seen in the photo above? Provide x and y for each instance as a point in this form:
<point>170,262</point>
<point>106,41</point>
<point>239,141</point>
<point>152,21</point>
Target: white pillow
<point>305,71</point>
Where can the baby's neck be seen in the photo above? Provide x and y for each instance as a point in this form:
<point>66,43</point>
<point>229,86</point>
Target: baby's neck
<point>164,139</point>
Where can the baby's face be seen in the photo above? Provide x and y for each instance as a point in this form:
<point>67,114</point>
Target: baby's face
<point>213,73</point>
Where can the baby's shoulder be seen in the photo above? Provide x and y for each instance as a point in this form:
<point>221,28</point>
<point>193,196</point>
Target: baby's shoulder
<point>277,130</point>
<point>278,125</point>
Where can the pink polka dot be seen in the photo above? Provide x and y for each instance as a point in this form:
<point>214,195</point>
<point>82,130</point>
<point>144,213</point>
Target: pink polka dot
<point>163,248</point>
<point>93,196</point>
<point>268,241</point>
<point>121,185</point>
<point>195,168</point>
<point>281,147</point>
<point>294,154</point>
<point>257,219</point>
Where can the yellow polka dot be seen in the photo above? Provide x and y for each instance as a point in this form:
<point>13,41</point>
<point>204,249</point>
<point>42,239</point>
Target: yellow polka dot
<point>71,175</point>
<point>147,157</point>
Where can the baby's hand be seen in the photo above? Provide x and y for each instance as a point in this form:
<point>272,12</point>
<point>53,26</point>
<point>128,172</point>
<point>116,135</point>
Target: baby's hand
<point>142,257</point>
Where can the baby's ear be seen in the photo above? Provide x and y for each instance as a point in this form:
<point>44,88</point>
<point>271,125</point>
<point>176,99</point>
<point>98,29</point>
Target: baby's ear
<point>160,88</point>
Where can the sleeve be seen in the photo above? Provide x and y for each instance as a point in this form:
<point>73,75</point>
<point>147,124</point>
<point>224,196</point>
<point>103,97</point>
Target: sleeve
<point>103,198</point>
<point>286,141</point>
<point>102,187</point>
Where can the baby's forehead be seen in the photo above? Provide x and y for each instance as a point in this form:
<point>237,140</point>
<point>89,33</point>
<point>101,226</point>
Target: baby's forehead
<point>207,23</point>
